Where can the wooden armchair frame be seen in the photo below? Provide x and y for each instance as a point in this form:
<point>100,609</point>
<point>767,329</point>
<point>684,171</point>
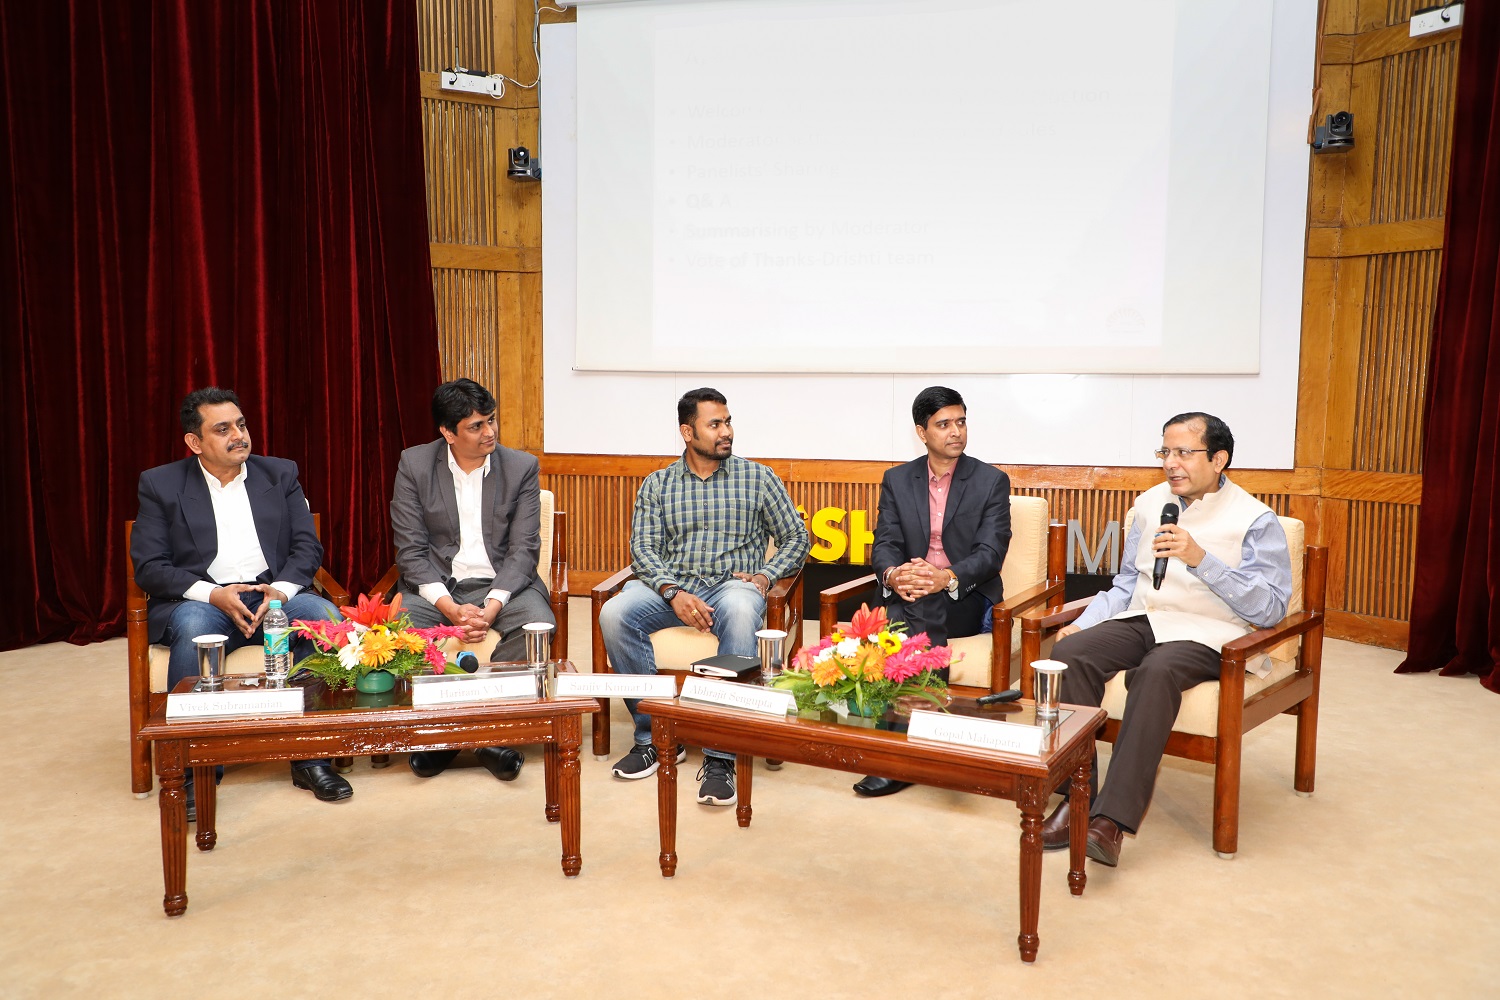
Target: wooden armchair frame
<point>1047,594</point>
<point>144,701</point>
<point>783,611</point>
<point>1295,694</point>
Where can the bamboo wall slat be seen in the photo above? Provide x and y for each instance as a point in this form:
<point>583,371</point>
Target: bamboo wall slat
<point>462,164</point>
<point>1400,295</point>
<point>469,24</point>
<point>1416,133</point>
<point>468,311</point>
<point>1384,537</point>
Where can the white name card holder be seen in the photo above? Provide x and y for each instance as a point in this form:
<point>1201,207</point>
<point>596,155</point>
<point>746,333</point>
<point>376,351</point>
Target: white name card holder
<point>987,734</point>
<point>207,704</point>
<point>615,686</point>
<point>767,701</point>
<point>453,689</point>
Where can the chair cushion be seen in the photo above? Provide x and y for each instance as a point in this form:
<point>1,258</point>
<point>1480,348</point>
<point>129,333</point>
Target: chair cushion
<point>245,660</point>
<point>1199,714</point>
<point>544,560</point>
<point>1026,559</point>
<point>974,669</point>
<point>679,647</point>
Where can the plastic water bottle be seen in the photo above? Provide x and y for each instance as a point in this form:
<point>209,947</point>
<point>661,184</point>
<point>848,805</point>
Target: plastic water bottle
<point>278,644</point>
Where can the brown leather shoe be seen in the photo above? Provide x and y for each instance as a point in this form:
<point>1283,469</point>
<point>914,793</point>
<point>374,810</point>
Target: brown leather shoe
<point>1104,840</point>
<point>1055,829</point>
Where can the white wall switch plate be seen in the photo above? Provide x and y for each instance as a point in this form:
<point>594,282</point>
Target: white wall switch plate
<point>469,83</point>
<point>1439,19</point>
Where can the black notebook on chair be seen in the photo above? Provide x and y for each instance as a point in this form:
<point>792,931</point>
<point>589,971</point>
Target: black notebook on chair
<point>727,666</point>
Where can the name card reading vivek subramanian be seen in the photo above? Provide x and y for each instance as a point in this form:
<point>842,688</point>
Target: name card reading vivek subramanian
<point>452,689</point>
<point>203,704</point>
<point>615,686</point>
<point>987,734</point>
<point>767,701</point>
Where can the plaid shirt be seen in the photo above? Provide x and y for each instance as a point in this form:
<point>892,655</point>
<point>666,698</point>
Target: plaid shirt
<point>697,532</point>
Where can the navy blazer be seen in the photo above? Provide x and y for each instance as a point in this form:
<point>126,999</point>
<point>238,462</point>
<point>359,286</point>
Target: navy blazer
<point>976,523</point>
<point>175,537</point>
<point>424,518</point>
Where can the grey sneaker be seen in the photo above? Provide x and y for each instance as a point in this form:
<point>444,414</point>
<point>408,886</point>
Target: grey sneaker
<point>717,777</point>
<point>641,762</point>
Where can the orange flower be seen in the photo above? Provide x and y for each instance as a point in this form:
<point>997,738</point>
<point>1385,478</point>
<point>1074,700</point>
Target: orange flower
<point>376,648</point>
<point>410,642</point>
<point>869,663</point>
<point>867,623</point>
<point>372,611</point>
<point>827,672</point>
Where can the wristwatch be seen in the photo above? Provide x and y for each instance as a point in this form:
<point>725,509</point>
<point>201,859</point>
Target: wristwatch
<point>952,584</point>
<point>670,593</point>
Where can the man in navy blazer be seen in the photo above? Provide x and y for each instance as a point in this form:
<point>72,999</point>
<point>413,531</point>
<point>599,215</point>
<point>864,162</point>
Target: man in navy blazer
<point>940,535</point>
<point>218,536</point>
<point>466,516</point>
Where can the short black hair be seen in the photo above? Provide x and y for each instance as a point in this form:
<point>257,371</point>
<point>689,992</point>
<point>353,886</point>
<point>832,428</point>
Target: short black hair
<point>192,416</point>
<point>687,406</point>
<point>452,401</point>
<point>1216,434</point>
<point>932,399</point>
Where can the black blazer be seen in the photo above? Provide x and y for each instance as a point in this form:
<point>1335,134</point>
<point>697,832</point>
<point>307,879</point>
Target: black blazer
<point>175,537</point>
<point>976,523</point>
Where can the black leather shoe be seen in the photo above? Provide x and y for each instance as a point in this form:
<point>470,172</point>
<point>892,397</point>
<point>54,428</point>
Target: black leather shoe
<point>322,782</point>
<point>1055,829</point>
<point>503,762</point>
<point>430,762</point>
<point>873,787</point>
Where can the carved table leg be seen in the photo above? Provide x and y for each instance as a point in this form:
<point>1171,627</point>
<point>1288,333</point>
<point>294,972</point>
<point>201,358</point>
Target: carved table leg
<point>1078,827</point>
<point>570,739</point>
<point>173,803</point>
<point>207,792</point>
<point>601,730</point>
<point>549,774</point>
<point>1031,800</point>
<point>744,771</point>
<point>666,792</point>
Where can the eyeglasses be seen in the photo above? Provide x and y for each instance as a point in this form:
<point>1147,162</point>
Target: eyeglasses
<point>1181,453</point>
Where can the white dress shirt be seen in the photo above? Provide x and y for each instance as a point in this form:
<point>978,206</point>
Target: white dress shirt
<point>240,558</point>
<point>472,561</point>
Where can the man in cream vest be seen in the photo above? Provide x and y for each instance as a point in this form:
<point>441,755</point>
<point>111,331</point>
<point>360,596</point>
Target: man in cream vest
<point>1228,572</point>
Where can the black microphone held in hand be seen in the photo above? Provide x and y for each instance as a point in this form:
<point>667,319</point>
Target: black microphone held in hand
<point>1168,516</point>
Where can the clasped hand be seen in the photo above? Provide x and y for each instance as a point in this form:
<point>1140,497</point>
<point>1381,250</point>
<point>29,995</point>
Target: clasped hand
<point>916,578</point>
<point>474,620</point>
<point>227,599</point>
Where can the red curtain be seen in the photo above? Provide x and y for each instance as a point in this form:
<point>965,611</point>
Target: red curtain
<point>199,193</point>
<point>1455,616</point>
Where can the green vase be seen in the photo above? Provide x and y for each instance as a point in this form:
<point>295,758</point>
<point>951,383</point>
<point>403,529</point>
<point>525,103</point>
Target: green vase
<point>375,682</point>
<point>871,714</point>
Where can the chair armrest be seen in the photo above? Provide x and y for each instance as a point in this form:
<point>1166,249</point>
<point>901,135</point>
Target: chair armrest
<point>325,584</point>
<point>1261,640</point>
<point>828,601</point>
<point>1033,624</point>
<point>386,585</point>
<point>1031,597</point>
<point>610,587</point>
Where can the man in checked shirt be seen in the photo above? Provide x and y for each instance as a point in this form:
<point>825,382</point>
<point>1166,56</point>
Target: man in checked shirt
<point>698,542</point>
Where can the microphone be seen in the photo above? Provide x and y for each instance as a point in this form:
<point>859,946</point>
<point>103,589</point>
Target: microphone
<point>1168,516</point>
<point>998,696</point>
<point>467,662</point>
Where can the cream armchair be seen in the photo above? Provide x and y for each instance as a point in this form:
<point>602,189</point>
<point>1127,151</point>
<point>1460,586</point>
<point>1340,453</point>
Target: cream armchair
<point>1033,575</point>
<point>1215,715</point>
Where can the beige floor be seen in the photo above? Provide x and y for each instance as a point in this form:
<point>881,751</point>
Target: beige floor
<point>451,886</point>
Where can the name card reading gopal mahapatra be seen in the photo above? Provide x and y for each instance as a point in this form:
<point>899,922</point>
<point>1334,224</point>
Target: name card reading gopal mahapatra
<point>615,686</point>
<point>451,689</point>
<point>203,704</point>
<point>767,701</point>
<point>987,734</point>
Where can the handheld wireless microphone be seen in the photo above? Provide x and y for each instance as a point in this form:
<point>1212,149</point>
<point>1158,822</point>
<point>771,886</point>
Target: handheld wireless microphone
<point>1159,571</point>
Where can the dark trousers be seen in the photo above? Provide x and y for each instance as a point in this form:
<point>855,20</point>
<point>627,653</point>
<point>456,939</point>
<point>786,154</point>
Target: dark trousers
<point>939,615</point>
<point>1156,674</point>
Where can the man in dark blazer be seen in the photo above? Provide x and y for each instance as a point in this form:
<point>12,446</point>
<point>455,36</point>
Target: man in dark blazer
<point>940,535</point>
<point>219,536</point>
<point>466,515</point>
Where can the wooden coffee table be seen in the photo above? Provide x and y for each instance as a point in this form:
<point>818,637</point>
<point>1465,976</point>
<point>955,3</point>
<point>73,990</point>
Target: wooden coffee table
<point>344,723</point>
<point>1068,751</point>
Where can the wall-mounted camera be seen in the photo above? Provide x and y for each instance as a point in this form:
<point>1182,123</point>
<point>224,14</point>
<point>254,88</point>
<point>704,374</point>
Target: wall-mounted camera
<point>524,168</point>
<point>1336,135</point>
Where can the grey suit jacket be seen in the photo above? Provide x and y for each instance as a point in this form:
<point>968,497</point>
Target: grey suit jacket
<point>424,518</point>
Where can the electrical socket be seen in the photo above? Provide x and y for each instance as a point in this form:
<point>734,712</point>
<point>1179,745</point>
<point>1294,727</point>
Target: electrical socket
<point>472,83</point>
<point>1437,19</point>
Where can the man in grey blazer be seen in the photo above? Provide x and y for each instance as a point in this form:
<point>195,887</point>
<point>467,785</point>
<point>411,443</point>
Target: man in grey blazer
<point>940,535</point>
<point>466,515</point>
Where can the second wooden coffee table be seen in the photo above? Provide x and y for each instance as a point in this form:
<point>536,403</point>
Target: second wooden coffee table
<point>1067,751</point>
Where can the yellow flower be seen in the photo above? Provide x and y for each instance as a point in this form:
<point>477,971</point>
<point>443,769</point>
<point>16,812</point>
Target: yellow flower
<point>826,672</point>
<point>410,641</point>
<point>377,648</point>
<point>836,636</point>
<point>870,664</point>
<point>889,641</point>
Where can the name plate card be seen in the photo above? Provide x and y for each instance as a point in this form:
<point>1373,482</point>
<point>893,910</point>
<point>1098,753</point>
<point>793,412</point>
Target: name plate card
<point>204,704</point>
<point>987,734</point>
<point>767,701</point>
<point>451,689</point>
<point>614,686</point>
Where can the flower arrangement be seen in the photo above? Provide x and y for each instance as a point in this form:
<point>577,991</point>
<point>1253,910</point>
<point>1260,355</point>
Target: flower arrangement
<point>867,668</point>
<point>374,635</point>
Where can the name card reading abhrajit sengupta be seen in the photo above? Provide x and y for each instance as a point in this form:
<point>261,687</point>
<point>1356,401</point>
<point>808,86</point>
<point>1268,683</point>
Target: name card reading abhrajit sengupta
<point>615,686</point>
<point>767,701</point>
<point>205,704</point>
<point>453,689</point>
<point>987,734</point>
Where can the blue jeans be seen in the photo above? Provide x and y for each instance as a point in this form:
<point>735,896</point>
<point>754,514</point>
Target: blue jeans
<point>195,618</point>
<point>628,619</point>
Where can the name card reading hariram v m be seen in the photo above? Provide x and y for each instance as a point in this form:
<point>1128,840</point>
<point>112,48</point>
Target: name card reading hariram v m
<point>453,689</point>
<point>615,686</point>
<point>202,704</point>
<point>768,701</point>
<point>988,734</point>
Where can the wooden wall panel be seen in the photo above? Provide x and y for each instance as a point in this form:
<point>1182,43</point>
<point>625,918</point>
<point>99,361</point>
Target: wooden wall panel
<point>463,164</point>
<point>1416,133</point>
<point>1400,295</point>
<point>1381,543</point>
<point>468,314</point>
<point>483,30</point>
